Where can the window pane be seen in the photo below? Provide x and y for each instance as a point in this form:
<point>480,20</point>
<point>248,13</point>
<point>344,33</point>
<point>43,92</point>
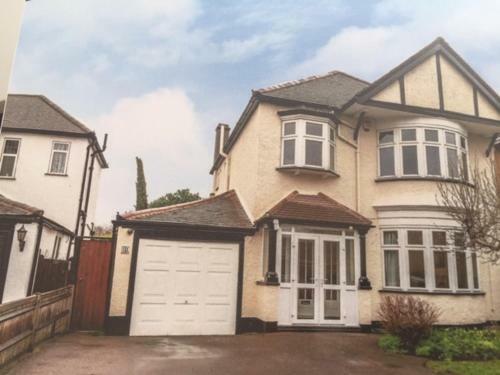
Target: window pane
<point>331,254</point>
<point>415,237</point>
<point>391,263</point>
<point>408,135</point>
<point>431,135</point>
<point>390,237</point>
<point>7,168</point>
<point>265,252</point>
<point>332,304</point>
<point>452,162</point>
<point>58,162</point>
<point>465,167</point>
<point>475,276</point>
<point>450,138</point>
<point>61,146</point>
<point>11,146</point>
<point>332,133</point>
<point>462,142</point>
<point>314,150</point>
<point>332,157</point>
<point>314,129</point>
<point>417,268</point>
<point>288,151</point>
<point>387,161</point>
<point>350,274</point>
<point>459,239</point>
<point>461,261</point>
<point>410,160</point>
<point>439,238</point>
<point>305,303</point>
<point>306,262</point>
<point>289,128</point>
<point>386,137</point>
<point>441,269</point>
<point>433,160</point>
<point>286,257</point>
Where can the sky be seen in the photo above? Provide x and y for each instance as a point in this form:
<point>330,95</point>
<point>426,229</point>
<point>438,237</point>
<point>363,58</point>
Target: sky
<point>158,75</point>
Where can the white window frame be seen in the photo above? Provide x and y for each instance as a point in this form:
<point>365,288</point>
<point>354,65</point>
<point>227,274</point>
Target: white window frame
<point>421,144</point>
<point>67,152</point>
<point>16,156</point>
<point>301,137</point>
<point>404,266</point>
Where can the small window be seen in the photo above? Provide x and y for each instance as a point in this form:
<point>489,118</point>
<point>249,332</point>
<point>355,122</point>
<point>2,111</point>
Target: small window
<point>462,142</point>
<point>332,133</point>
<point>387,165</point>
<point>59,158</point>
<point>433,160</point>
<point>314,129</point>
<point>289,152</point>
<point>57,247</point>
<point>450,138</point>
<point>391,267</point>
<point>441,274</point>
<point>410,160</point>
<point>415,237</point>
<point>431,135</point>
<point>314,153</point>
<point>289,128</point>
<point>417,268</point>
<point>286,257</point>
<point>265,252</point>
<point>390,237</point>
<point>459,239</point>
<point>9,157</point>
<point>439,238</point>
<point>386,137</point>
<point>408,135</point>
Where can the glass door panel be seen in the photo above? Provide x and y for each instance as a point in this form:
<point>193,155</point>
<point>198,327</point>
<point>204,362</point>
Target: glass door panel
<point>305,303</point>
<point>306,262</point>
<point>332,304</point>
<point>331,254</point>
<point>306,282</point>
<point>330,284</point>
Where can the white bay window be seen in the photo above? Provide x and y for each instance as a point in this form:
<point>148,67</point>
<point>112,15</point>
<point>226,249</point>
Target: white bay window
<point>308,144</point>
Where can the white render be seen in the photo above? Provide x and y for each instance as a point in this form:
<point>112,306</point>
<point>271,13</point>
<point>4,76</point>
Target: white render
<point>57,196</point>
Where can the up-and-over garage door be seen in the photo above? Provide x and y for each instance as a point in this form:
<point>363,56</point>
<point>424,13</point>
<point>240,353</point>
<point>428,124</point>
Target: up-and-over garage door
<point>185,288</point>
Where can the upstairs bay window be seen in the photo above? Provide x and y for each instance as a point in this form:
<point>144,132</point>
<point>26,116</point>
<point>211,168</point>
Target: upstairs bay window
<point>308,144</point>
<point>422,152</point>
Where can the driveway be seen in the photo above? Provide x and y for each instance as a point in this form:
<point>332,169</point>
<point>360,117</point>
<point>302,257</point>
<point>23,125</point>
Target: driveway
<point>274,353</point>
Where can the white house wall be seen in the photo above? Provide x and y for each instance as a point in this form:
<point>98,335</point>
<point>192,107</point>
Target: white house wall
<point>47,243</point>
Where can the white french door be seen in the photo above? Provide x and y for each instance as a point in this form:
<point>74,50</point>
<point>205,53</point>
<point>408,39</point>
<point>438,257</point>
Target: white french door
<point>323,280</point>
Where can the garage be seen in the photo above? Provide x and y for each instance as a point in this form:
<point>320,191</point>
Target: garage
<point>185,288</point>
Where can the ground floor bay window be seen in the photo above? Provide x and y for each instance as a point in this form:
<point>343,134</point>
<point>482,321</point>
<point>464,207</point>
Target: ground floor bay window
<point>428,259</point>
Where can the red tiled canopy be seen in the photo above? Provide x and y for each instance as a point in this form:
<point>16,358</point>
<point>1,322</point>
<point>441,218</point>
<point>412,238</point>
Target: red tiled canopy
<point>318,208</point>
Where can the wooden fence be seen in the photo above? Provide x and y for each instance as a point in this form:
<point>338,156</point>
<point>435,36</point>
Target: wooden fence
<point>26,322</point>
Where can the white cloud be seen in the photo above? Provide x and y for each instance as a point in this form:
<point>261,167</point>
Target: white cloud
<point>162,128</point>
<point>400,28</point>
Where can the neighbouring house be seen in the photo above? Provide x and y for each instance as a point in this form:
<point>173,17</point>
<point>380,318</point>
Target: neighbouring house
<point>324,201</point>
<point>51,161</point>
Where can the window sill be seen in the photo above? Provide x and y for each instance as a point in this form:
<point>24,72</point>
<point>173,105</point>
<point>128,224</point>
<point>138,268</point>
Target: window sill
<point>436,293</point>
<point>56,174</point>
<point>7,178</point>
<point>419,178</point>
<point>295,170</point>
<point>267,283</point>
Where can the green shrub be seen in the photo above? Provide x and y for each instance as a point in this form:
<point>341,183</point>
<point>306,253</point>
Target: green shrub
<point>461,344</point>
<point>409,318</point>
<point>390,343</point>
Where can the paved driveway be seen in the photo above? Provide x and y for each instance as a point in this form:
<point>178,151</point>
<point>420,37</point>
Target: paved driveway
<point>275,353</point>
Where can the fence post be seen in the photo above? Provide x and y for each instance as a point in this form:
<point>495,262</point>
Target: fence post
<point>35,320</point>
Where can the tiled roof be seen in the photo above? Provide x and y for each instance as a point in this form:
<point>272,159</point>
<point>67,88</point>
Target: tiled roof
<point>224,210</point>
<point>10,207</point>
<point>333,89</point>
<point>315,208</point>
<point>36,112</point>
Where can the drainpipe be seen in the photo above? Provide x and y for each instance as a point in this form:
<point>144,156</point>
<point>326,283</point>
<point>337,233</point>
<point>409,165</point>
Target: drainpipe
<point>36,257</point>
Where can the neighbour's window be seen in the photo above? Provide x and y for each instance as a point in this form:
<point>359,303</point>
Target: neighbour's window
<point>422,152</point>
<point>265,251</point>
<point>59,158</point>
<point>8,161</point>
<point>308,144</point>
<point>57,247</point>
<point>432,259</point>
<point>286,257</point>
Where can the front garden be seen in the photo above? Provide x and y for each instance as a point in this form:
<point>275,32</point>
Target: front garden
<point>409,322</point>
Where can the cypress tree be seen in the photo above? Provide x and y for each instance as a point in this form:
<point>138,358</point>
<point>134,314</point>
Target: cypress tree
<point>141,201</point>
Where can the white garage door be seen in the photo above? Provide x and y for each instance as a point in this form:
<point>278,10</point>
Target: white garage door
<point>185,288</point>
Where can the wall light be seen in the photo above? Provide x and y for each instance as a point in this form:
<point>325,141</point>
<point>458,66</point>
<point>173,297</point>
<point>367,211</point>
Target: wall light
<point>21,237</point>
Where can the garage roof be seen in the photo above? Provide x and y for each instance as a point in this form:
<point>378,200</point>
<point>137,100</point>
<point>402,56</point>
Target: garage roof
<point>319,209</point>
<point>10,207</point>
<point>221,211</point>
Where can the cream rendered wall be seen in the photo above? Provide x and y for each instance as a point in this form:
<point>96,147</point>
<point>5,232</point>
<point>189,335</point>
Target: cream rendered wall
<point>421,85</point>
<point>19,271</point>
<point>121,273</point>
<point>57,195</point>
<point>485,108</point>
<point>457,90</point>
<point>391,94</point>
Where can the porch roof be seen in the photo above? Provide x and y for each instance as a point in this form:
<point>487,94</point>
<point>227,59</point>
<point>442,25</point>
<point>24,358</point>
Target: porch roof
<point>315,209</point>
<point>11,207</point>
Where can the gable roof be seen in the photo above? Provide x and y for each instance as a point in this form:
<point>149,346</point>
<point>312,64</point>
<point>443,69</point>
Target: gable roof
<point>221,211</point>
<point>11,207</point>
<point>438,46</point>
<point>38,114</point>
<point>333,89</point>
<point>319,209</point>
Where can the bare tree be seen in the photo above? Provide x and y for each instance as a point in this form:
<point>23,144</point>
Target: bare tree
<point>476,208</point>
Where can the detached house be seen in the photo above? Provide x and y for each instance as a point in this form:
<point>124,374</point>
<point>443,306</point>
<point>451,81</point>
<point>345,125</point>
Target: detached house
<point>324,200</point>
<point>50,165</point>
